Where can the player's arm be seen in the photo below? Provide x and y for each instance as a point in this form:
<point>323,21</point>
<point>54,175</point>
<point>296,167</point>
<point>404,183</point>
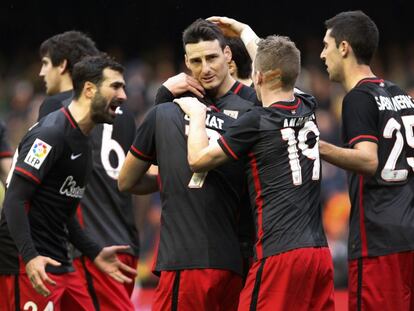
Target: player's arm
<point>134,178</point>
<point>18,196</point>
<point>360,130</point>
<point>234,28</point>
<point>361,159</point>
<point>202,156</point>
<point>5,165</point>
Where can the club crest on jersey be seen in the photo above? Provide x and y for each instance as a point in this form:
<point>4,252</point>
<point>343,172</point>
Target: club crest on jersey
<point>231,113</point>
<point>37,153</point>
<point>70,189</point>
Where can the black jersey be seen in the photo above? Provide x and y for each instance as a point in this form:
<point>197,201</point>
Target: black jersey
<point>382,214</point>
<point>53,103</point>
<point>5,150</point>
<point>105,213</point>
<point>199,210</point>
<point>56,156</point>
<point>281,142</point>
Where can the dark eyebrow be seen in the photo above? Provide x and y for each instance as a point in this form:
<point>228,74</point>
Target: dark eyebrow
<point>117,84</point>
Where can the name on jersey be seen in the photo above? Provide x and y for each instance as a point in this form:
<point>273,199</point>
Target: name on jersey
<point>37,153</point>
<point>70,189</point>
<point>294,122</point>
<point>211,121</point>
<point>395,103</point>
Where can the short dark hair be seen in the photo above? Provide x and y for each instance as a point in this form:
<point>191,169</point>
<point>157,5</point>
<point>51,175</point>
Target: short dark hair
<point>240,56</point>
<point>90,69</point>
<point>359,30</point>
<point>70,45</point>
<point>203,30</point>
<point>279,53</point>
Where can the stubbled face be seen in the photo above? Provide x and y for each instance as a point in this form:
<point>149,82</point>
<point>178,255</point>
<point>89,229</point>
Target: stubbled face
<point>110,96</point>
<point>51,76</point>
<point>332,57</point>
<point>208,63</point>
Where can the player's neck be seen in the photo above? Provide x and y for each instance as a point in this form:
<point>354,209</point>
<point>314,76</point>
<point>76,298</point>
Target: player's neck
<point>354,73</point>
<point>65,83</point>
<point>225,86</point>
<point>80,111</point>
<point>271,97</point>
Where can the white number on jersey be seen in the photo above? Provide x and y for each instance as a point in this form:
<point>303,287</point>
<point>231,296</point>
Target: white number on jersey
<point>31,306</point>
<point>288,134</point>
<point>389,173</point>
<point>108,145</point>
<point>197,179</point>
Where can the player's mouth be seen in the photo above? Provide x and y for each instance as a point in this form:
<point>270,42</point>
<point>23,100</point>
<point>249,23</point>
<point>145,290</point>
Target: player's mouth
<point>114,106</point>
<point>208,79</point>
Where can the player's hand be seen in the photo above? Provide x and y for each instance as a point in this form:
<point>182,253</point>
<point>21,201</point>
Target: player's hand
<point>182,83</point>
<point>108,262</point>
<point>229,26</point>
<point>36,272</point>
<point>191,106</point>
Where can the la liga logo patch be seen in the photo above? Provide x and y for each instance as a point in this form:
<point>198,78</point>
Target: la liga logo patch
<point>37,153</point>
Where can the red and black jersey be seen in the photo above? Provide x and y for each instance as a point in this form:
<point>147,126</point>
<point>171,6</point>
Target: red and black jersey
<point>281,143</point>
<point>199,210</point>
<point>105,213</point>
<point>55,156</point>
<point>382,214</point>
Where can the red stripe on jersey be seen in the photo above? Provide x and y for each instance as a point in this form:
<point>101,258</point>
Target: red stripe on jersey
<point>363,233</point>
<point>213,107</point>
<point>259,205</point>
<point>27,173</point>
<point>6,154</point>
<point>370,81</point>
<point>287,107</point>
<point>79,215</point>
<point>133,148</point>
<point>68,117</point>
<point>362,136</point>
<point>238,88</point>
<point>228,148</point>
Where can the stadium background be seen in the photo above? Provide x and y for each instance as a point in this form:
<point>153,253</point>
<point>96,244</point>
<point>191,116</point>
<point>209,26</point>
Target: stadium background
<point>146,37</point>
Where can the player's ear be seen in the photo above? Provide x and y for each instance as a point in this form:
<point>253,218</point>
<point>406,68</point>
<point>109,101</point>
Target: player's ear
<point>187,63</point>
<point>232,67</point>
<point>63,66</point>
<point>227,53</point>
<point>344,48</point>
<point>89,89</point>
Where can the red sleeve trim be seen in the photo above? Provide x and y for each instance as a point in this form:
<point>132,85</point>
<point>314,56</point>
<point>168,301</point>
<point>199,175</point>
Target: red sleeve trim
<point>228,148</point>
<point>139,153</point>
<point>6,154</point>
<point>238,88</point>
<point>28,174</point>
<point>68,117</point>
<point>371,137</point>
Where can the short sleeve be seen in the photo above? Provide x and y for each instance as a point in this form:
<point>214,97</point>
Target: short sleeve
<point>38,152</point>
<point>359,118</point>
<point>143,146</point>
<point>241,135</point>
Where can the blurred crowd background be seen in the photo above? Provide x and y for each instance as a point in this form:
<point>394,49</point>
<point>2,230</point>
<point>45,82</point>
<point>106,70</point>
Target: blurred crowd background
<point>146,39</point>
